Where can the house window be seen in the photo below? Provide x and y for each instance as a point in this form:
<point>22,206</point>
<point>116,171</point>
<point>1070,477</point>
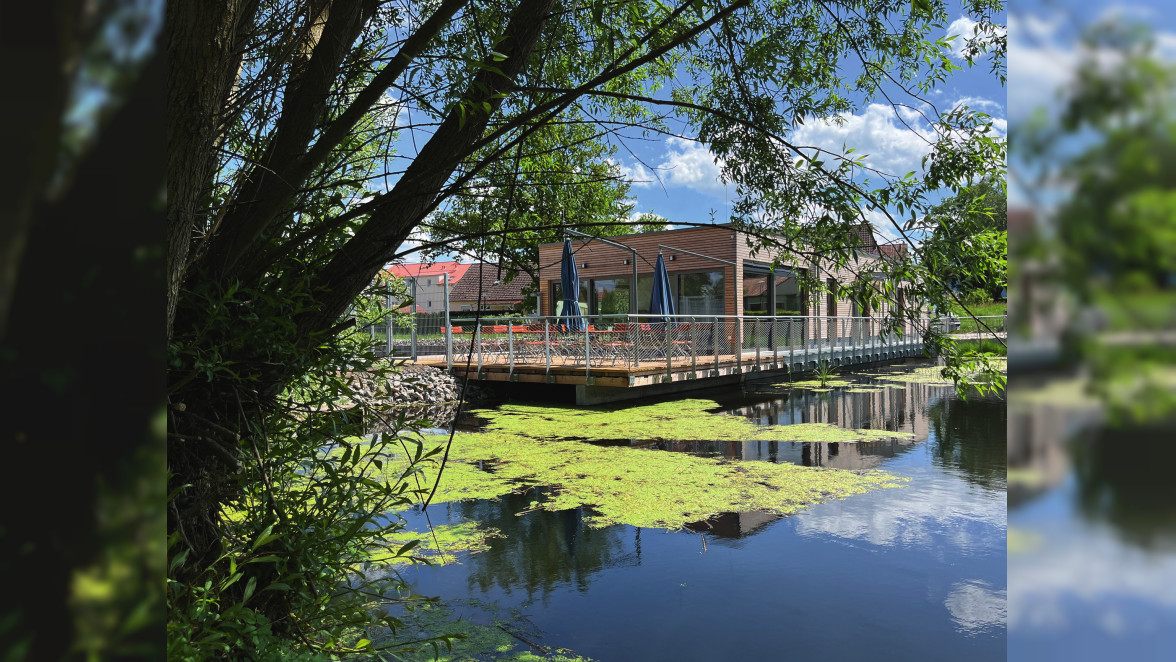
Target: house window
<point>610,296</point>
<point>557,296</point>
<point>700,293</point>
<point>789,298</point>
<point>755,292</point>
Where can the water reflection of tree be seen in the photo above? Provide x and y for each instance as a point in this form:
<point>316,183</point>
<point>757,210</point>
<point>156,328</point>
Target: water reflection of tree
<point>542,550</point>
<point>1124,478</point>
<point>971,435</point>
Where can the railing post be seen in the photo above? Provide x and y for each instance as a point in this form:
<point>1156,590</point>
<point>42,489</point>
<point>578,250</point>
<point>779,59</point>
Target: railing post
<point>791,347</point>
<point>669,359</point>
<point>820,353</point>
<point>448,324</point>
<point>547,346</point>
<point>587,352</point>
<point>510,348</point>
<point>478,340</point>
<point>715,341</point>
<point>412,343</point>
<point>739,344</point>
<point>755,327</point>
<point>693,348</point>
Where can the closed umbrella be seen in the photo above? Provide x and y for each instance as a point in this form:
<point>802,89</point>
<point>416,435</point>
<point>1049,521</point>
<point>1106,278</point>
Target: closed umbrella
<point>662,301</point>
<point>571,317</point>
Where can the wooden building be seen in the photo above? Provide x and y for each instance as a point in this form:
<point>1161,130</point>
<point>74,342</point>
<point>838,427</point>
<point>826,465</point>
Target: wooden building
<point>712,269</point>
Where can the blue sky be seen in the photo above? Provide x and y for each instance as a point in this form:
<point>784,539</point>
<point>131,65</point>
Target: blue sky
<point>689,186</point>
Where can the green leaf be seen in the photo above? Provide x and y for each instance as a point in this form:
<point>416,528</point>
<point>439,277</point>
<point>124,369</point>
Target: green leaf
<point>265,537</point>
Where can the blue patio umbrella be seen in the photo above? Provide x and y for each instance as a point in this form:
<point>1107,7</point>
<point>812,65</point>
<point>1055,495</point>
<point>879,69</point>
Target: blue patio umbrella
<point>662,301</point>
<point>569,282</point>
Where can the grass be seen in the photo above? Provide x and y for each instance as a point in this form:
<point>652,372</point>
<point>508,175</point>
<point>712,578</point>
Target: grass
<point>825,372</point>
<point>982,346</point>
<point>980,309</point>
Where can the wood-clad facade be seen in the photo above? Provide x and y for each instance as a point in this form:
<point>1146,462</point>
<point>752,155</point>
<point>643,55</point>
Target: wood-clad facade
<point>748,286</point>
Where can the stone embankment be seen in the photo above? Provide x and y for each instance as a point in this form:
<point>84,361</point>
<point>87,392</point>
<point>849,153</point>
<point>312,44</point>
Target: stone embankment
<point>426,392</point>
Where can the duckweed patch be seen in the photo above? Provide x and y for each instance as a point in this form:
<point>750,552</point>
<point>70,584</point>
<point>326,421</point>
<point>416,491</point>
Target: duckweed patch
<point>815,384</point>
<point>927,375</point>
<point>682,420</point>
<point>442,546</point>
<point>642,487</point>
<point>475,639</point>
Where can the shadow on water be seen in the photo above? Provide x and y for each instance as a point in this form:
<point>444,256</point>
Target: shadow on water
<point>1124,478</point>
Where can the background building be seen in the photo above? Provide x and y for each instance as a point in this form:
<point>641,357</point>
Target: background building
<point>430,278</point>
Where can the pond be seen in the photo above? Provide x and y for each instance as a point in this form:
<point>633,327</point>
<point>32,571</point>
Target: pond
<point>911,569</point>
<point>1092,529</point>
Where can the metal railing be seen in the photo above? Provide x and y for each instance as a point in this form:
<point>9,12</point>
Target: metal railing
<point>675,343</point>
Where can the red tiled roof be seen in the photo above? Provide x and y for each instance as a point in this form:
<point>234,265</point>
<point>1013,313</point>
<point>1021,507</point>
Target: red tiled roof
<point>897,249</point>
<point>454,269</point>
<point>466,290</point>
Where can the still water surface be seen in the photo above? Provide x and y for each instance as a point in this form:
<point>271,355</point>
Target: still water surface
<point>917,572</point>
<point>1092,511</point>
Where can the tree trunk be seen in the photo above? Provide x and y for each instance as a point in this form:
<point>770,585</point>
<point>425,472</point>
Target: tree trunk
<point>204,54</point>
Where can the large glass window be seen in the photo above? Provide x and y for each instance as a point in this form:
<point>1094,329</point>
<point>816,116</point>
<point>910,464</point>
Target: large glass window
<point>755,293</point>
<point>644,293</point>
<point>610,296</point>
<point>788,295</point>
<point>557,296</point>
<point>701,293</point>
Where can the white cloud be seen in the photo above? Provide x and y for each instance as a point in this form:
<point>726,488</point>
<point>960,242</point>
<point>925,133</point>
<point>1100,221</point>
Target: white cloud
<point>960,31</point>
<point>979,103</point>
<point>684,164</point>
<point>637,175</point>
<point>963,29</point>
<point>877,133</point>
<point>893,140</point>
<point>690,164</point>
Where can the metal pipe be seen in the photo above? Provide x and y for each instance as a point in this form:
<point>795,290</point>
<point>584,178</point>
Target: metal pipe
<point>700,255</point>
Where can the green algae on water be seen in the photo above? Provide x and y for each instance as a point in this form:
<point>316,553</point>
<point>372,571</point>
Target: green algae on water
<point>474,640</point>
<point>641,487</point>
<point>927,375</point>
<point>682,420</point>
<point>443,545</point>
<point>815,384</point>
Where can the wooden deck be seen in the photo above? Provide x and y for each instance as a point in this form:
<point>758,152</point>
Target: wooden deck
<point>605,371</point>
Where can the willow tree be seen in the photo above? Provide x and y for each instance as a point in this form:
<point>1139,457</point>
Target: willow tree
<point>310,139</point>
